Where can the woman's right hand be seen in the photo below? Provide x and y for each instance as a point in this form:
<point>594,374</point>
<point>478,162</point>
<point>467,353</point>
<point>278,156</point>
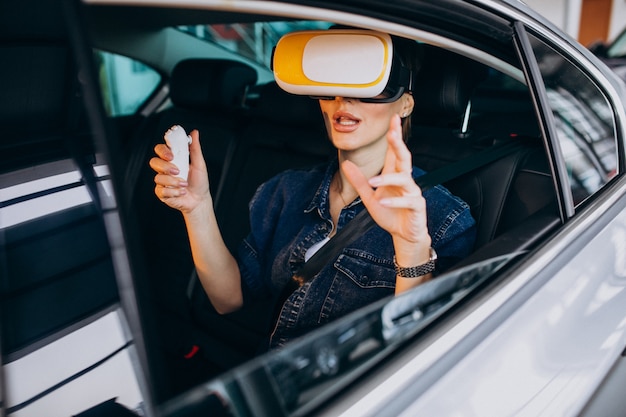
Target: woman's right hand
<point>216,267</point>
<point>175,191</point>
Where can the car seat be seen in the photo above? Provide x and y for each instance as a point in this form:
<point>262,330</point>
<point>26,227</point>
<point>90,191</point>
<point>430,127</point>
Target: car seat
<point>283,131</point>
<point>208,95</point>
<point>503,193</point>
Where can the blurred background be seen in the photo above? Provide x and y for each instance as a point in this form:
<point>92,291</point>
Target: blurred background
<point>588,21</point>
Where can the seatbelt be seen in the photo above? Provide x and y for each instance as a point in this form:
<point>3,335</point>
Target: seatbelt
<point>363,222</point>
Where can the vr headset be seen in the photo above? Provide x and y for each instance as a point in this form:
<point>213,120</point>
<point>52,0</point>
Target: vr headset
<point>354,63</point>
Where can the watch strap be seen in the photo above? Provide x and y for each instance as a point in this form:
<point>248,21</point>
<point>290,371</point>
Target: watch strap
<point>419,270</point>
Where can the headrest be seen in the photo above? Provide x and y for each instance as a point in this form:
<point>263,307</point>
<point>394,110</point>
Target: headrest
<point>277,105</point>
<point>210,83</point>
<point>445,83</point>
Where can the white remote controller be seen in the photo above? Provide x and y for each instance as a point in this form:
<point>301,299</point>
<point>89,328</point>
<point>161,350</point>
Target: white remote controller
<point>178,141</point>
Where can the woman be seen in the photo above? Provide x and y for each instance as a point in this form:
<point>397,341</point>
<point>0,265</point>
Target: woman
<point>296,212</point>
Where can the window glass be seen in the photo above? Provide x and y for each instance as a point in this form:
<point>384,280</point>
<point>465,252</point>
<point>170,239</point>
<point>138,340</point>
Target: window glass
<point>307,372</point>
<point>254,41</point>
<point>584,122</point>
<point>618,47</point>
<point>125,83</point>
<point>57,262</point>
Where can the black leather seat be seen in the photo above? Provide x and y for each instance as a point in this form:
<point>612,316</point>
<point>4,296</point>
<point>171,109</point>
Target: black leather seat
<point>283,131</point>
<point>207,95</point>
<point>501,194</point>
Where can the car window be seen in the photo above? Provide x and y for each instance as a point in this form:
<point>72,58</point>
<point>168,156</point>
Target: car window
<point>500,112</point>
<point>584,122</point>
<point>306,373</point>
<point>515,208</point>
<point>125,83</point>
<point>254,41</point>
<point>618,47</point>
<point>59,268</point>
<point>62,325</point>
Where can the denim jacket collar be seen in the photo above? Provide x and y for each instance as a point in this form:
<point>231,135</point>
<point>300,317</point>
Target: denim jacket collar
<point>320,200</point>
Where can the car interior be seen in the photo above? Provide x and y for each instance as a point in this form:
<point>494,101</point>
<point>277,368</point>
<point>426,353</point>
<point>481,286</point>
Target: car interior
<point>249,132</point>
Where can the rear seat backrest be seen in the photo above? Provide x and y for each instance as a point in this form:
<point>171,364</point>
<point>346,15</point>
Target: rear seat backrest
<point>501,194</point>
<point>207,95</point>
<point>284,131</point>
<point>444,86</point>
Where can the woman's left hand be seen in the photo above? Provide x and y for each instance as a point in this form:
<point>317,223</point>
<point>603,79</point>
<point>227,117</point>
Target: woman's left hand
<point>392,198</point>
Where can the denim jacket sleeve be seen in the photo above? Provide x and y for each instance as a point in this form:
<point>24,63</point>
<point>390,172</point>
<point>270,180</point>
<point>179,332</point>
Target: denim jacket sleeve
<point>253,251</point>
<point>277,215</point>
<point>451,226</point>
<point>454,238</point>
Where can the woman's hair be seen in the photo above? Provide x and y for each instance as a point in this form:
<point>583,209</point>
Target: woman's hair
<point>410,54</point>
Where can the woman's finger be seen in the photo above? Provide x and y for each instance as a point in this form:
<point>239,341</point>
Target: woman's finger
<point>358,180</point>
<point>195,150</point>
<point>403,160</point>
<point>411,201</point>
<point>397,179</point>
<point>163,167</point>
<point>163,152</point>
<point>164,193</point>
<point>169,181</point>
<point>390,164</point>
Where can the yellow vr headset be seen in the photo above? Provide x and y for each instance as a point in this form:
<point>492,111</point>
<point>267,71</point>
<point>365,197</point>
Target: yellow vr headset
<point>340,63</point>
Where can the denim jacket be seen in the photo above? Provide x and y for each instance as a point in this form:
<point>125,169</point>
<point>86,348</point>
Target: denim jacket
<point>291,212</point>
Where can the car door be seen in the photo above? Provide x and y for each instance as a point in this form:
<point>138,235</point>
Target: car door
<point>550,341</point>
<point>67,345</point>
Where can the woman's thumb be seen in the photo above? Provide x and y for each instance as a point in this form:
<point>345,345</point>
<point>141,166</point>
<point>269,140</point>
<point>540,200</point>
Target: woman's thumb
<point>195,150</point>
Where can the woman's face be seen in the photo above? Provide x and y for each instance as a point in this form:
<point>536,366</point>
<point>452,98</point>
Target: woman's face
<point>353,125</point>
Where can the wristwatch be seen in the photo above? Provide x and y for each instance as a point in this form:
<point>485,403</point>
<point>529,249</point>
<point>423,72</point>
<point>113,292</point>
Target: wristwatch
<point>416,271</point>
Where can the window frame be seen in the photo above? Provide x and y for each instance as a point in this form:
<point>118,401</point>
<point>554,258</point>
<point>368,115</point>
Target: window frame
<point>533,74</point>
<point>148,101</point>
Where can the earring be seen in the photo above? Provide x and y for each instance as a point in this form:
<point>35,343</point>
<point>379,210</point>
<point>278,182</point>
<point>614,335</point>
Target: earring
<point>404,115</point>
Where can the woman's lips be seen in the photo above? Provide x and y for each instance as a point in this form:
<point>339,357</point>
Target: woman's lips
<point>345,122</point>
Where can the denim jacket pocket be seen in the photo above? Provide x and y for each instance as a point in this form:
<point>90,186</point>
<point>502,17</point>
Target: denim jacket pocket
<point>360,279</point>
<point>366,270</point>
